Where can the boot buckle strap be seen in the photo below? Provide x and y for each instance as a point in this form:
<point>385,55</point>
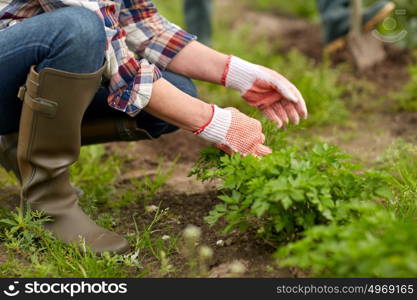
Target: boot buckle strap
<point>45,107</point>
<point>22,92</point>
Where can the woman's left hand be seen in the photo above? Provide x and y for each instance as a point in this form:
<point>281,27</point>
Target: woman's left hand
<point>272,93</point>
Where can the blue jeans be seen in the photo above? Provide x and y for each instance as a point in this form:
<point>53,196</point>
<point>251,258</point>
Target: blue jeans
<point>70,39</point>
<point>335,18</point>
<point>198,19</point>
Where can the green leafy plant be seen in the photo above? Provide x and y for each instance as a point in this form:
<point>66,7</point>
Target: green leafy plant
<point>149,185</point>
<point>24,231</point>
<point>318,83</point>
<point>372,243</point>
<point>288,191</point>
<point>407,21</point>
<point>7,179</point>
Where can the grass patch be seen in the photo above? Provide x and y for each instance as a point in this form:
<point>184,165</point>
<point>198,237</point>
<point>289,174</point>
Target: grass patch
<point>299,8</point>
<point>407,99</point>
<point>94,173</point>
<point>7,179</point>
<point>172,10</point>
<point>400,162</point>
<point>33,252</point>
<point>288,191</point>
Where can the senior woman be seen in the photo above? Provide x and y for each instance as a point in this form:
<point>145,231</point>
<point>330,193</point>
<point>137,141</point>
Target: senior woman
<point>77,72</point>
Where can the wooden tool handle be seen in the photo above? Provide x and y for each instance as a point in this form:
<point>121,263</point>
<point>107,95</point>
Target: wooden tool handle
<point>356,27</point>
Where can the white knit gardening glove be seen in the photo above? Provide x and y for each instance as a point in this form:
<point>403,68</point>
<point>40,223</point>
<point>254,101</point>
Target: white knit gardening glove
<point>234,132</point>
<point>269,91</point>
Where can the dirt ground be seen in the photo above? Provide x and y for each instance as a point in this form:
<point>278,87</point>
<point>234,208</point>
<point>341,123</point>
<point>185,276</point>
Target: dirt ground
<point>189,200</point>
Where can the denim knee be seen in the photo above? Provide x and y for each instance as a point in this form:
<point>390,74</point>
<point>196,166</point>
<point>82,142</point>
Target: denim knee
<point>83,36</point>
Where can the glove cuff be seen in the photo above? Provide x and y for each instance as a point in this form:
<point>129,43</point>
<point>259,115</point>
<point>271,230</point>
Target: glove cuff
<point>216,130</point>
<point>240,74</point>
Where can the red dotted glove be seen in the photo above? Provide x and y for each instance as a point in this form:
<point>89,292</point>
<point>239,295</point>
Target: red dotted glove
<point>272,93</point>
<point>234,132</point>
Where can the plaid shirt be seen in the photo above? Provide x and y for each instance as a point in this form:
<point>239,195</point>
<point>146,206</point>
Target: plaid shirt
<point>134,29</point>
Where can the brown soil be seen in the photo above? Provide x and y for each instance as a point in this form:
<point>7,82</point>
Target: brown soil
<point>180,145</point>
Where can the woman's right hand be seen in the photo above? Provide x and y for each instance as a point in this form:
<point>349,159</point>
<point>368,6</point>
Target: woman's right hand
<point>234,132</point>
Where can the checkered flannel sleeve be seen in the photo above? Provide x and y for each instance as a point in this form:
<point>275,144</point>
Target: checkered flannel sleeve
<point>131,79</point>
